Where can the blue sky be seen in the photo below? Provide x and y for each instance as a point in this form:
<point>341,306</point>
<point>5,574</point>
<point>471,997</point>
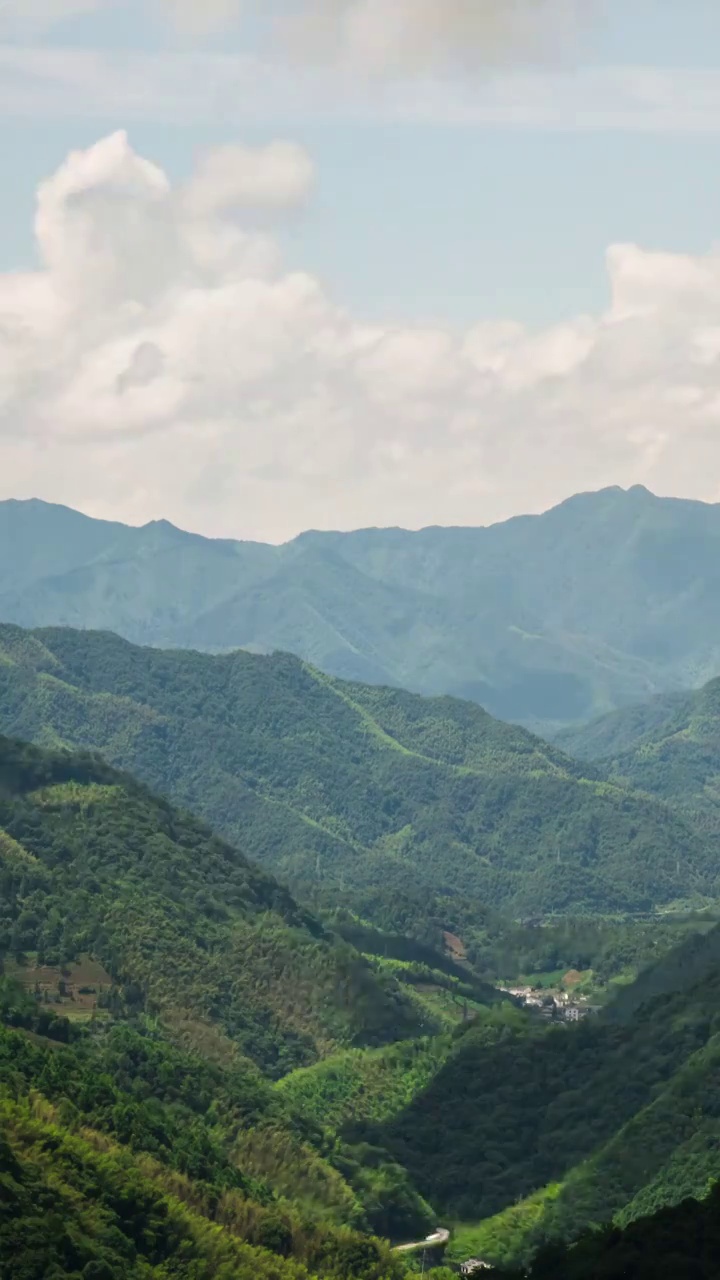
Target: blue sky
<point>426,220</point>
<point>501,287</point>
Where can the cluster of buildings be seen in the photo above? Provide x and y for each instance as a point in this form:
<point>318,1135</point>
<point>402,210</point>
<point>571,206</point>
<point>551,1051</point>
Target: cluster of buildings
<point>559,1006</point>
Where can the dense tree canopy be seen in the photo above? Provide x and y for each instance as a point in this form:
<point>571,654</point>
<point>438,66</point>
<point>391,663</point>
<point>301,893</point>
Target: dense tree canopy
<point>420,813</point>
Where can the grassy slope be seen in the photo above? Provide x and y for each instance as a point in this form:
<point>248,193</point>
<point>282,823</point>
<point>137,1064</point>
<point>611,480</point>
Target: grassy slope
<point>608,598</point>
<point>418,809</point>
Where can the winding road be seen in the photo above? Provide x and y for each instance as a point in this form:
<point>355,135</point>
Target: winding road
<point>439,1237</point>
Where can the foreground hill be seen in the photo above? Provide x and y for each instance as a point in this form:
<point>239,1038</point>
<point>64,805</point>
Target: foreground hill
<point>186,928</point>
<point>122,1155</point>
<point>544,620</point>
<point>669,747</point>
<point>411,808</point>
<point>682,1243</point>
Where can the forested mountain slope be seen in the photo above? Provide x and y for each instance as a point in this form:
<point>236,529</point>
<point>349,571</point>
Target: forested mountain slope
<point>187,929</point>
<point>411,809</point>
<point>545,620</point>
<point>620,732</point>
<point>149,1138</point>
<point>681,1243</point>
<point>669,747</point>
<point>540,1131</point>
<point>123,1155</point>
<point>693,963</point>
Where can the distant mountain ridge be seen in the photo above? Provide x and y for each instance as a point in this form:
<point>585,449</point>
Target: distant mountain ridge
<point>546,620</point>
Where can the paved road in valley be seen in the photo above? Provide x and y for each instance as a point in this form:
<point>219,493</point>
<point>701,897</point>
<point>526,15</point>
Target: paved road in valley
<point>441,1236</point>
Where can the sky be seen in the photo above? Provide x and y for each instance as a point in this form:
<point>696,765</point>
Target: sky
<point>339,263</point>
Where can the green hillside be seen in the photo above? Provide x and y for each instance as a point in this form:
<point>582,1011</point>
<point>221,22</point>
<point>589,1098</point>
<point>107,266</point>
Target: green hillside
<point>365,1085</point>
<point>155,983</point>
<point>619,731</point>
<point>691,965</point>
<point>682,1243</point>
<point>545,620</point>
<point>121,1155</point>
<point>521,1132</point>
<point>193,1070</point>
<point>186,928</point>
<point>411,810</point>
<point>541,1131</point>
<point>669,747</point>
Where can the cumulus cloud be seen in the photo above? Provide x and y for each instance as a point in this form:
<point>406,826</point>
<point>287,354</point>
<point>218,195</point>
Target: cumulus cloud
<point>163,360</point>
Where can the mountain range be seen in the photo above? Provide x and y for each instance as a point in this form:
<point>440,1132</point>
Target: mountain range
<point>544,620</point>
<point>205,1074</point>
<point>406,808</point>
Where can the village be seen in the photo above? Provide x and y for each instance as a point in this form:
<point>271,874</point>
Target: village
<point>558,1004</point>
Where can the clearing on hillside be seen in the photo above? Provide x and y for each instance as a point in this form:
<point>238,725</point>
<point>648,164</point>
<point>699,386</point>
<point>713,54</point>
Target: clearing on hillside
<point>74,989</point>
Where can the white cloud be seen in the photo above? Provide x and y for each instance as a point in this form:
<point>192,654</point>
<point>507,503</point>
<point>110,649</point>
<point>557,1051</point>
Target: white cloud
<point>163,361</point>
<point>233,177</point>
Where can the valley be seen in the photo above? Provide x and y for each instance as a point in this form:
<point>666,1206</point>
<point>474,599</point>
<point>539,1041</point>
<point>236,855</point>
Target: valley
<point>304,977</point>
<point>359,640</point>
